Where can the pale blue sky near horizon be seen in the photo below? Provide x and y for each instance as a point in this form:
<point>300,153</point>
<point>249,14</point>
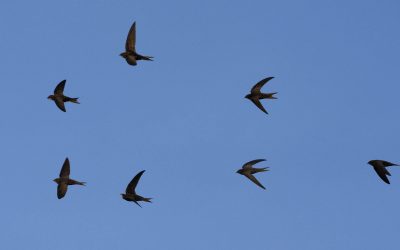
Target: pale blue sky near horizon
<point>184,119</point>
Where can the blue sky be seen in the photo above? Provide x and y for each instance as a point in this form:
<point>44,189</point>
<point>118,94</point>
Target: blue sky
<point>183,118</point>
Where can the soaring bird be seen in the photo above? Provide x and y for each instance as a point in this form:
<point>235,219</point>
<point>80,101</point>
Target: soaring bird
<point>130,193</point>
<point>64,181</point>
<point>255,94</point>
<point>248,171</point>
<point>380,168</point>
<point>130,54</point>
<point>59,98</point>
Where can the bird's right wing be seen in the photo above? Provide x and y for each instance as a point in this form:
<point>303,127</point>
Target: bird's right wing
<point>130,189</point>
<point>60,87</point>
<point>137,203</point>
<point>251,163</point>
<point>61,190</point>
<point>253,179</point>
<point>257,88</point>
<point>131,60</point>
<point>60,104</point>
<point>65,170</point>
<point>259,105</point>
<point>131,39</point>
<point>382,172</point>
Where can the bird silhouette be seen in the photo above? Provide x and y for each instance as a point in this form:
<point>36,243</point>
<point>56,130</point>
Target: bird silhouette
<point>255,94</point>
<point>130,54</point>
<point>380,168</point>
<point>64,181</point>
<point>59,98</point>
<point>130,192</point>
<point>248,171</point>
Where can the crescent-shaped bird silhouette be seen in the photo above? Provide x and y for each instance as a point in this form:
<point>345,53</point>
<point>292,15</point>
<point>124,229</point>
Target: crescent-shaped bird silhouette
<point>248,170</point>
<point>130,54</point>
<point>64,181</point>
<point>255,94</point>
<point>130,192</point>
<point>59,98</point>
<point>380,168</point>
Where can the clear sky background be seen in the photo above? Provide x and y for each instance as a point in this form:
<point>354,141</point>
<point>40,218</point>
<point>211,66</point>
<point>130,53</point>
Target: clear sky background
<point>183,118</point>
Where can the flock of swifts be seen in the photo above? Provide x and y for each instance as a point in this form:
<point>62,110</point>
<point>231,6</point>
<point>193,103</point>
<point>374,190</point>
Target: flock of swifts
<point>131,57</point>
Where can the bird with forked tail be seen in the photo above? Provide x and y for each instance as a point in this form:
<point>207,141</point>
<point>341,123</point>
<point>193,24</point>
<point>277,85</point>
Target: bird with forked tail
<point>248,170</point>
<point>64,181</point>
<point>255,94</point>
<point>380,168</point>
<point>130,54</point>
<point>59,98</point>
<point>130,192</point>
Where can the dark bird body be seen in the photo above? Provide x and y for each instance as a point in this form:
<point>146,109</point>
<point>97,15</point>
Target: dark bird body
<point>248,171</point>
<point>64,181</point>
<point>255,94</point>
<point>59,98</point>
<point>130,192</point>
<point>380,168</point>
<point>130,54</point>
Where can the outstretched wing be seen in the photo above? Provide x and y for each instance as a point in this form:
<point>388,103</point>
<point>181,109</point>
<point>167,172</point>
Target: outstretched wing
<point>130,189</point>
<point>253,179</point>
<point>131,60</point>
<point>62,190</point>
<point>257,88</point>
<point>60,87</point>
<point>259,105</point>
<point>131,39</point>
<point>251,163</point>
<point>60,104</point>
<point>382,172</point>
<point>65,170</point>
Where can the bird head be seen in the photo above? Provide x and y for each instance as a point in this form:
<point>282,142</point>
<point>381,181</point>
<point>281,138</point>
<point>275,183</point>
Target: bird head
<point>371,162</point>
<point>56,180</point>
<point>50,97</point>
<point>123,54</point>
<point>247,96</point>
<point>239,171</point>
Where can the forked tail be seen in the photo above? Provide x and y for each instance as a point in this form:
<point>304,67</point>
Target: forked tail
<point>74,100</point>
<point>268,95</point>
<point>148,58</point>
<point>147,199</point>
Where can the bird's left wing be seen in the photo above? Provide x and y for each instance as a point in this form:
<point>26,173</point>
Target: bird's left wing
<point>60,104</point>
<point>131,60</point>
<point>382,172</point>
<point>259,105</point>
<point>62,190</point>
